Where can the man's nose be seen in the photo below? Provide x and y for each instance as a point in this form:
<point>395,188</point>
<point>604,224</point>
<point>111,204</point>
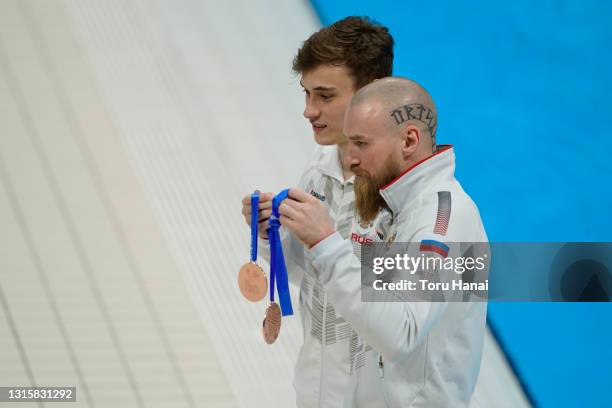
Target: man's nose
<point>311,112</point>
<point>350,159</point>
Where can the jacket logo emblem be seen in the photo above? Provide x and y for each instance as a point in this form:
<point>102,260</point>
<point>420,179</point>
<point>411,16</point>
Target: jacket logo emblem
<point>317,195</point>
<point>360,239</point>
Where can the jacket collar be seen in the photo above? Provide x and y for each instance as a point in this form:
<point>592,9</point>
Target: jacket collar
<point>417,178</point>
<point>329,164</point>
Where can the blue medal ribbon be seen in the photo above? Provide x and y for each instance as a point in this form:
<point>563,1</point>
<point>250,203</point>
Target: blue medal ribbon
<point>254,219</point>
<point>278,269</point>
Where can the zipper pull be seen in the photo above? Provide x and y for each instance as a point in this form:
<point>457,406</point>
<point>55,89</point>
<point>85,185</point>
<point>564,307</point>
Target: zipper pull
<point>381,367</point>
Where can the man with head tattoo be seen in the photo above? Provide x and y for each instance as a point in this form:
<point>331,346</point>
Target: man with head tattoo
<point>413,353</point>
<point>333,63</point>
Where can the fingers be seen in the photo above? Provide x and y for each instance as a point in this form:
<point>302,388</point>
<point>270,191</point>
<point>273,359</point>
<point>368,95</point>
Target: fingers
<point>246,209</point>
<point>262,229</point>
<point>291,209</point>
<point>287,222</point>
<point>262,219</point>
<point>264,215</point>
<point>266,197</point>
<point>265,203</point>
<point>300,195</point>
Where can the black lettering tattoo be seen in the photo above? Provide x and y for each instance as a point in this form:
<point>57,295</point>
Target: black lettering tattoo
<point>408,110</point>
<point>421,108</point>
<point>397,115</point>
<point>429,120</point>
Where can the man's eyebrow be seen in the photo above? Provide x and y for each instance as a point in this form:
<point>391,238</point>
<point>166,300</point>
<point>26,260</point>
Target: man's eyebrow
<point>356,137</point>
<point>321,88</point>
<point>325,88</point>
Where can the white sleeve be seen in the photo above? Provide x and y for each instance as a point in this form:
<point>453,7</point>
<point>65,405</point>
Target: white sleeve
<point>392,328</point>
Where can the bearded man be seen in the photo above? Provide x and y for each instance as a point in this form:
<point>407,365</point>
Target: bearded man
<point>414,353</point>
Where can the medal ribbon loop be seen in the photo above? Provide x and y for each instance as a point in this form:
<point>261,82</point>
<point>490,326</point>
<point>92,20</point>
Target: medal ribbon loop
<point>254,219</point>
<point>278,269</point>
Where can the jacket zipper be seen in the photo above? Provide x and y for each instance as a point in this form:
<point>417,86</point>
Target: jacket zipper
<point>323,348</point>
<point>324,320</point>
<point>381,367</point>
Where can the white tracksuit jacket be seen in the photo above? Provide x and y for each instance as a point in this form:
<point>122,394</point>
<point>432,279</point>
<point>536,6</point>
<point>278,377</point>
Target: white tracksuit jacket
<point>322,369</point>
<point>410,354</point>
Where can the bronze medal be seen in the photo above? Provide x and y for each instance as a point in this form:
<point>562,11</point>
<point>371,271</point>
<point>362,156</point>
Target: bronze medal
<point>252,282</point>
<point>271,323</point>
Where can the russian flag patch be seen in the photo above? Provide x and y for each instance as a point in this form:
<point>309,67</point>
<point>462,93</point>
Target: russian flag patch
<point>429,245</point>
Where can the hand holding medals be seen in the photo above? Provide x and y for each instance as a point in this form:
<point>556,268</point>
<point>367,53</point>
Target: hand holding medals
<point>252,279</point>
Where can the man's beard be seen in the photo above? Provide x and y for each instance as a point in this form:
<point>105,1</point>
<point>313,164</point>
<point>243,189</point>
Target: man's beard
<point>368,200</point>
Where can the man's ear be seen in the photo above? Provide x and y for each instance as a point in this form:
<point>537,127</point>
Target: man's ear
<point>410,137</point>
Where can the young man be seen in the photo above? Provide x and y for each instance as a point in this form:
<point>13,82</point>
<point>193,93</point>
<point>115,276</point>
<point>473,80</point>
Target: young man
<point>414,353</point>
<point>333,63</point>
